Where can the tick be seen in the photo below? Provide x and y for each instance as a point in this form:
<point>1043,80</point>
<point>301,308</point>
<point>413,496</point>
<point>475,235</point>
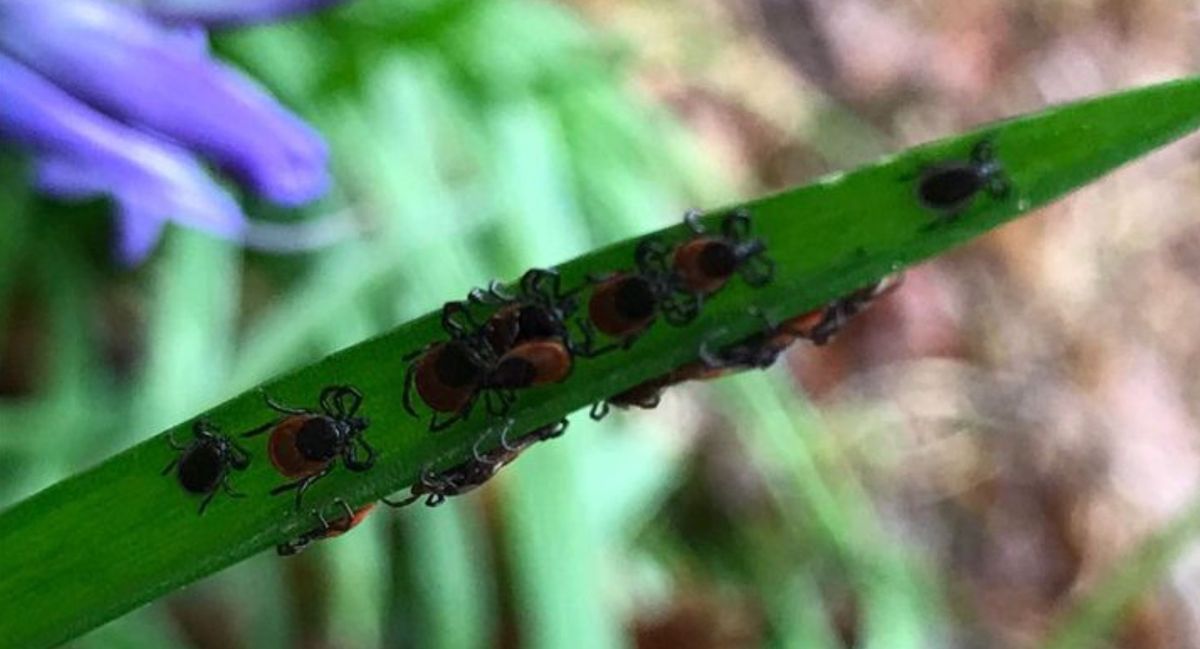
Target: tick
<point>948,188</point>
<point>447,376</point>
<point>451,376</point>
<point>706,262</point>
<point>530,328</point>
<point>203,465</point>
<point>483,466</point>
<point>305,444</point>
<point>539,310</point>
<point>624,304</point>
<point>819,326</point>
<point>762,349</point>
<point>839,312</point>
<point>327,529</point>
<point>648,394</point>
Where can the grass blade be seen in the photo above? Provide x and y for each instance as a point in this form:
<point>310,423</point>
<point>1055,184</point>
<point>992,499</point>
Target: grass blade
<point>109,539</point>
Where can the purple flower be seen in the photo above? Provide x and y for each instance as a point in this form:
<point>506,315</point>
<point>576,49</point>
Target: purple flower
<point>113,100</point>
<point>225,12</point>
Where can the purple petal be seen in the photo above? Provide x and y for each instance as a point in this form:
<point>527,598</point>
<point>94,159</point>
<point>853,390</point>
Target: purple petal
<point>229,12</point>
<point>138,231</point>
<point>83,153</point>
<point>119,61</point>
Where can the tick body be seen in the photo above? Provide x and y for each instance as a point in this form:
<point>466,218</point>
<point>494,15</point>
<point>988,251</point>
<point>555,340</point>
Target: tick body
<point>948,188</point>
<point>645,395</point>
<point>538,362</point>
<point>435,488</point>
<point>524,344</point>
<point>204,464</point>
<point>839,312</point>
<point>758,351</point>
<point>648,394</point>
<point>706,262</point>
<point>301,445</point>
<point>447,377</point>
<point>818,326</point>
<point>624,304</point>
<point>304,445</point>
<point>327,529</point>
<point>529,331</point>
<point>514,324</point>
<point>538,311</point>
<point>451,377</point>
<point>761,350</point>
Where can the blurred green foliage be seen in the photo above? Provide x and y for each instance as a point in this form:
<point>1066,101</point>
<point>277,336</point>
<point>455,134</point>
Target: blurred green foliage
<point>470,140</point>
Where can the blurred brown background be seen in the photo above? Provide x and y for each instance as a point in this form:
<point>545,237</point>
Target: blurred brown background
<point>1037,388</point>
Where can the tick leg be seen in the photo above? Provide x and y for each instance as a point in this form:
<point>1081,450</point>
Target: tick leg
<point>984,151</point>
<point>508,426</point>
<point>328,400</point>
<point>409,374</point>
<point>412,498</point>
<point>170,465</point>
<point>203,428</point>
<point>204,503</point>
<point>342,524</point>
<point>999,186</point>
<point>835,318</point>
<point>712,360</point>
<point>479,457</point>
<point>736,224</point>
<point>599,410</point>
<point>505,399</point>
<point>415,353</point>
<point>292,547</point>
<point>691,219</point>
<point>476,455</point>
<point>452,313</point>
<point>585,347</point>
<point>174,444</point>
<point>351,457</point>
<point>279,407</point>
<point>348,400</point>
<point>679,314</point>
<point>303,488</point>
<point>493,295</point>
<point>302,485</point>
<point>489,400</point>
<point>556,430</point>
<point>532,285</point>
<point>768,327</point>
<point>239,458</point>
<point>758,271</point>
<point>495,291</point>
<point>260,430</point>
<point>627,341</point>
<point>435,425</point>
<point>229,490</point>
<point>651,256</point>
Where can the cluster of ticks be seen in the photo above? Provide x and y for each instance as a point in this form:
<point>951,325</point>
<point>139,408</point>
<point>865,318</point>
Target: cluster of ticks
<point>532,337</point>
